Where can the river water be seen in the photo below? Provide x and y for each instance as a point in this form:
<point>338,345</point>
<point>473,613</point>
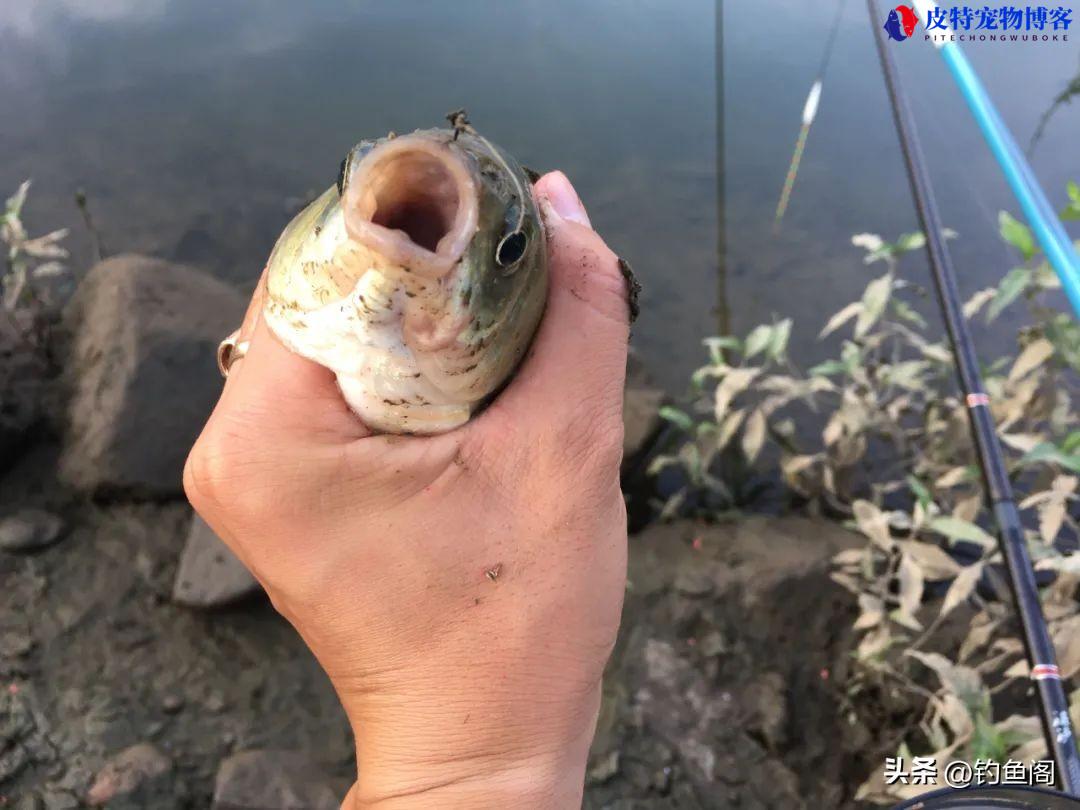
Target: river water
<point>196,126</point>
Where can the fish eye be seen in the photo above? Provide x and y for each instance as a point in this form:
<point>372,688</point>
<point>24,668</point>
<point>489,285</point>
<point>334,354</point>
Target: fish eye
<point>511,249</point>
<point>341,174</point>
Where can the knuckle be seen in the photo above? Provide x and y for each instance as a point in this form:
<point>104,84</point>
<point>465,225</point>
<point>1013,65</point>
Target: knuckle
<point>218,477</point>
<point>202,471</point>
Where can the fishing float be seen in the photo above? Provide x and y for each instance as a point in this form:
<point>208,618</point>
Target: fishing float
<point>1053,704</point>
<point>810,110</point>
<point>1040,215</point>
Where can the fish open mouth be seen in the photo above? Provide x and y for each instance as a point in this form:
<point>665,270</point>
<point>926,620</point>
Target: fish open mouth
<point>413,200</point>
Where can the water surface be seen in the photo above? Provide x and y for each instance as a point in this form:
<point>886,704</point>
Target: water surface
<point>196,126</point>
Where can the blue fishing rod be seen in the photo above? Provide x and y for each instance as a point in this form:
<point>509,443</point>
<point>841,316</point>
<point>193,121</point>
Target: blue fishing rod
<point>1041,217</point>
<point>1045,675</point>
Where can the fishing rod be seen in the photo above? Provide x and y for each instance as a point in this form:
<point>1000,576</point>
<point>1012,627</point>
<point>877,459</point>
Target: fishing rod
<point>810,110</point>
<point>1040,215</point>
<point>1054,707</point>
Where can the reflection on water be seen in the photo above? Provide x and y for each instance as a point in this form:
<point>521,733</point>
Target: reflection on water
<point>194,126</point>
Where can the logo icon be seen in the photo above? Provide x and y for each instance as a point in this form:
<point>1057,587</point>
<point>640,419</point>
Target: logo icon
<point>901,23</point>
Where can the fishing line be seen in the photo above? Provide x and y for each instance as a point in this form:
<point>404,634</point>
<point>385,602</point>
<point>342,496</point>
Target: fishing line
<point>1054,707</point>
<point>810,109</point>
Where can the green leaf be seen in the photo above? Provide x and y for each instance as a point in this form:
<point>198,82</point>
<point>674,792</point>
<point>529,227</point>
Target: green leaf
<point>1064,332</point>
<point>1072,210</point>
<point>908,242</point>
<point>1014,283</point>
<point>14,204</point>
<point>1071,443</point>
<point>758,340</point>
<point>1017,234</point>
<point>778,344</point>
<point>827,368</point>
<point>956,529</point>
<point>717,345</point>
<point>906,374</point>
<point>874,300</point>
<point>678,418</point>
<point>1047,453</point>
<point>904,311</point>
<point>851,356</point>
<point>922,494</point>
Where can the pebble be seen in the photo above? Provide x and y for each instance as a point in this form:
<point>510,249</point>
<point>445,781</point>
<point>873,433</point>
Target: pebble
<point>215,702</point>
<point>172,704</point>
<point>210,575</point>
<point>604,769</point>
<point>126,771</point>
<point>29,530</point>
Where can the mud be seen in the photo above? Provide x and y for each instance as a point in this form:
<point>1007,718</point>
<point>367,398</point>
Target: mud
<point>723,691</point>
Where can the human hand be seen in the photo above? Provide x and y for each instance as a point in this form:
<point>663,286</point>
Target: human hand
<point>462,591</point>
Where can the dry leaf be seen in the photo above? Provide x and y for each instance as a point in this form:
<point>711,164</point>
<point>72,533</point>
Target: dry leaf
<point>934,563</point>
<point>954,477</point>
<point>968,508</point>
<point>962,587</point>
<point>978,301</point>
<point>754,435</point>
<point>840,318</point>
<point>734,383</point>
<point>1034,355</point>
<point>728,427</point>
<point>873,523</point>
<point>911,581</point>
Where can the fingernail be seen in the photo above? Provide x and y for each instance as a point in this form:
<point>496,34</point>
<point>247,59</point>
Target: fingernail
<point>564,199</point>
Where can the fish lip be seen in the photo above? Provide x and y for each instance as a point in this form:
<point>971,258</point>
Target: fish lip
<point>360,203</point>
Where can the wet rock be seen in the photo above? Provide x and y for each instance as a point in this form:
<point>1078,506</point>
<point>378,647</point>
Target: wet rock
<point>604,768</point>
<point>59,800</point>
<point>723,626</point>
<point>765,702</point>
<point>693,583</point>
<point>272,780</point>
<point>29,530</point>
<point>210,574</point>
<point>142,372</point>
<point>30,802</point>
<point>15,644</point>
<point>128,772</point>
<point>641,405</point>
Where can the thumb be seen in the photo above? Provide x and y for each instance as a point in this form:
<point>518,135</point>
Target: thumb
<point>577,365</point>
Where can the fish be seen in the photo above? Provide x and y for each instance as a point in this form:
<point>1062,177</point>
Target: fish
<point>419,278</point>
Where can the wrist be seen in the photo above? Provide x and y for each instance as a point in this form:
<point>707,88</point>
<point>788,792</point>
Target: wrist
<point>477,756</point>
<point>544,783</point>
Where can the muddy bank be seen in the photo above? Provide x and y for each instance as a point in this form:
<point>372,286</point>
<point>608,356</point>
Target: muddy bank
<point>721,693</point>
<point>724,690</point>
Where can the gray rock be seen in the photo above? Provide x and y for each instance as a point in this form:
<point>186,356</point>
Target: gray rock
<point>142,372</point>
<point>210,574</point>
<point>641,405</point>
<point>127,772</point>
<point>603,769</point>
<point>29,530</point>
<point>30,802</point>
<point>691,582</point>
<point>272,780</point>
